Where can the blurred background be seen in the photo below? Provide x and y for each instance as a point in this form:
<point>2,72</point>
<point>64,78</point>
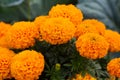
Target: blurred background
<point>15,10</point>
<point>107,11</point>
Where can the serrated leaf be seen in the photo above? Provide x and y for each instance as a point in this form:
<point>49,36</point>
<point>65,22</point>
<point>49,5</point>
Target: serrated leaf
<point>97,66</point>
<point>92,72</point>
<point>9,3</point>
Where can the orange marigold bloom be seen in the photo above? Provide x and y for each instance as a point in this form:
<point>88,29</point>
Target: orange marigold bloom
<point>113,39</point>
<point>113,67</point>
<point>90,25</point>
<point>22,35</point>
<point>38,22</point>
<point>57,30</point>
<point>97,24</point>
<point>27,65</point>
<point>91,45</point>
<point>5,61</point>
<point>85,28</point>
<point>67,11</point>
<point>86,77</point>
<point>4,27</point>
<point>3,42</point>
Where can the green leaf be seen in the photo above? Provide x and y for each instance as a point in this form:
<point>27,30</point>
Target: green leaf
<point>10,14</point>
<point>9,3</point>
<point>27,9</point>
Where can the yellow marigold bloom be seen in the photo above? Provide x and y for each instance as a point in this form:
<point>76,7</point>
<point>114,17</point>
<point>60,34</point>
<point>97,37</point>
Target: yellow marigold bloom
<point>91,45</point>
<point>90,25</point>
<point>22,35</point>
<point>5,61</point>
<point>113,39</point>
<point>113,67</point>
<point>38,22</point>
<point>27,65</point>
<point>97,24</point>
<point>67,11</point>
<point>86,77</point>
<point>57,30</point>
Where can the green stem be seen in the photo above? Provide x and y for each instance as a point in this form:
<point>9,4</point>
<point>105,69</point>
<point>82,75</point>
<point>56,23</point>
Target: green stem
<point>29,14</point>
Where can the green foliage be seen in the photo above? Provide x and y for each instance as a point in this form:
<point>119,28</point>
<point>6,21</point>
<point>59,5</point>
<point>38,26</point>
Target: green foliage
<point>9,3</point>
<point>17,10</point>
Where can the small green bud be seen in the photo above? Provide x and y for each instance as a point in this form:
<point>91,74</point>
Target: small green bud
<point>57,66</point>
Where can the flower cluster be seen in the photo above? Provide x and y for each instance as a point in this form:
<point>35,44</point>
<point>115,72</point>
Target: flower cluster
<point>64,24</point>
<point>5,61</point>
<point>27,65</point>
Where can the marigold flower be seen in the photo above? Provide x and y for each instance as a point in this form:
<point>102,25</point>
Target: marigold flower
<point>67,11</point>
<point>4,27</point>
<point>57,30</point>
<point>86,77</point>
<point>3,42</point>
<point>113,38</point>
<point>38,22</point>
<point>5,61</point>
<point>22,35</point>
<point>27,65</point>
<point>91,45</point>
<point>113,67</point>
<point>85,28</point>
<point>97,24</point>
<point>90,25</point>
